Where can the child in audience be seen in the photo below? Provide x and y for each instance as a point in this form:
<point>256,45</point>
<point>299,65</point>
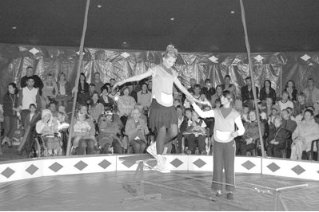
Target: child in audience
<point>48,127</point>
<point>83,134</point>
<point>196,134</point>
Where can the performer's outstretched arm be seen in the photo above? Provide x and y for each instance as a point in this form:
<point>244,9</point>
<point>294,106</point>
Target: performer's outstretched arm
<point>135,78</point>
<point>203,114</point>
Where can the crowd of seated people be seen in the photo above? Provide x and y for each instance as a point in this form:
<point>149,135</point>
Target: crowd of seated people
<point>116,120</point>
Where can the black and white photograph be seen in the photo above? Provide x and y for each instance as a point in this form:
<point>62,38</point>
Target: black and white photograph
<point>159,105</point>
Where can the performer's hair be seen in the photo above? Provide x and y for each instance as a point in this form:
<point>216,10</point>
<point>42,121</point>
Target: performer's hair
<point>171,51</point>
<point>227,94</point>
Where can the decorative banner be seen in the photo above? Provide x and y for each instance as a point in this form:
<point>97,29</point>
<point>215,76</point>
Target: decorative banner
<point>120,64</point>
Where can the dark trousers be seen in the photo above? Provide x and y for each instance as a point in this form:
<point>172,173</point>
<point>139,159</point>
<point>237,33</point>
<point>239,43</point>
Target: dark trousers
<point>224,158</point>
<point>194,141</point>
<point>24,114</point>
<point>10,125</point>
<point>274,151</point>
<point>116,147</point>
<point>138,146</point>
<point>244,148</point>
<point>86,147</point>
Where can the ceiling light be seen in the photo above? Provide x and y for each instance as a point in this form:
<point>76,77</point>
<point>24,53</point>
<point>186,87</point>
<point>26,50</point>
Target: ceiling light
<point>99,6</point>
<point>232,12</point>
<point>14,27</point>
<point>172,19</point>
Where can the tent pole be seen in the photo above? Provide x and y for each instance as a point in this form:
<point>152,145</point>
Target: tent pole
<point>252,75</point>
<point>78,71</point>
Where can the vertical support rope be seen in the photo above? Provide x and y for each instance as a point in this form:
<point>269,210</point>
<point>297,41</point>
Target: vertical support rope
<point>252,75</point>
<point>78,73</point>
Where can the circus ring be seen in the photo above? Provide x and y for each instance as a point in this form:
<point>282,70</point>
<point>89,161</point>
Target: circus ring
<point>114,182</point>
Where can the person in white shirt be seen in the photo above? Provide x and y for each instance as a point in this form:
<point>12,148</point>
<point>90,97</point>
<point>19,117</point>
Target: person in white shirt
<point>285,102</point>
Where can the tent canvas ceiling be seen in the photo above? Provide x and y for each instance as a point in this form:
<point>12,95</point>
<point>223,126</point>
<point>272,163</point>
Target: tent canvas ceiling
<point>198,25</point>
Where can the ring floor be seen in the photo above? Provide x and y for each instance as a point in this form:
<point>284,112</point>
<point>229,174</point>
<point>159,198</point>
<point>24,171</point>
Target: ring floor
<point>178,191</point>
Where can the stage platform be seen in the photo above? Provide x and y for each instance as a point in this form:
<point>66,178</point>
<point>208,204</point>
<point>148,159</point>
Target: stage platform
<point>112,182</point>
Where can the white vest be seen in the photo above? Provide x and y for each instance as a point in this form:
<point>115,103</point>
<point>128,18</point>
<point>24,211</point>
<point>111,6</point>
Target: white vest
<point>29,97</point>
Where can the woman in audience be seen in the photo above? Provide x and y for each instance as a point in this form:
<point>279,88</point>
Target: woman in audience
<point>300,104</point>
<point>83,133</point>
<point>267,91</point>
<point>227,86</point>
<point>144,97</point>
<point>50,88</point>
<point>276,142</point>
<point>125,105</point>
<point>109,134</point>
<point>64,90</point>
<point>96,108</point>
<point>83,90</point>
<point>104,97</point>
<point>290,88</point>
<point>306,131</point>
<point>285,102</point>
<point>136,129</point>
<point>48,126</point>
<point>10,108</point>
<point>217,95</point>
<point>251,134</point>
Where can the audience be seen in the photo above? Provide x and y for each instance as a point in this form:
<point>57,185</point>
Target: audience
<point>276,142</point>
<point>247,93</point>
<point>290,88</point>
<point>267,92</point>
<point>125,104</point>
<point>97,82</point>
<point>311,92</point>
<point>63,90</point>
<point>50,88</point>
<point>109,134</point>
<point>10,108</point>
<point>251,135</point>
<point>107,122</point>
<point>136,129</point>
<point>307,131</point>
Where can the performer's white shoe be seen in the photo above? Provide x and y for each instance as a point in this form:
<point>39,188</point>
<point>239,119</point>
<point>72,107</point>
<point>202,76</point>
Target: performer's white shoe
<point>162,164</point>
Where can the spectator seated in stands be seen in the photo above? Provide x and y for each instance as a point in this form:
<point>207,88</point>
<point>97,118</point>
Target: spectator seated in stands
<point>48,127</point>
<point>109,137</point>
<point>248,141</point>
<point>125,105</point>
<point>104,97</point>
<point>136,129</point>
<point>285,102</point>
<point>287,123</point>
<point>267,92</point>
<point>307,131</point>
<point>277,139</point>
<point>196,135</point>
<point>300,105</point>
<point>83,135</point>
<point>290,88</point>
<point>216,96</point>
